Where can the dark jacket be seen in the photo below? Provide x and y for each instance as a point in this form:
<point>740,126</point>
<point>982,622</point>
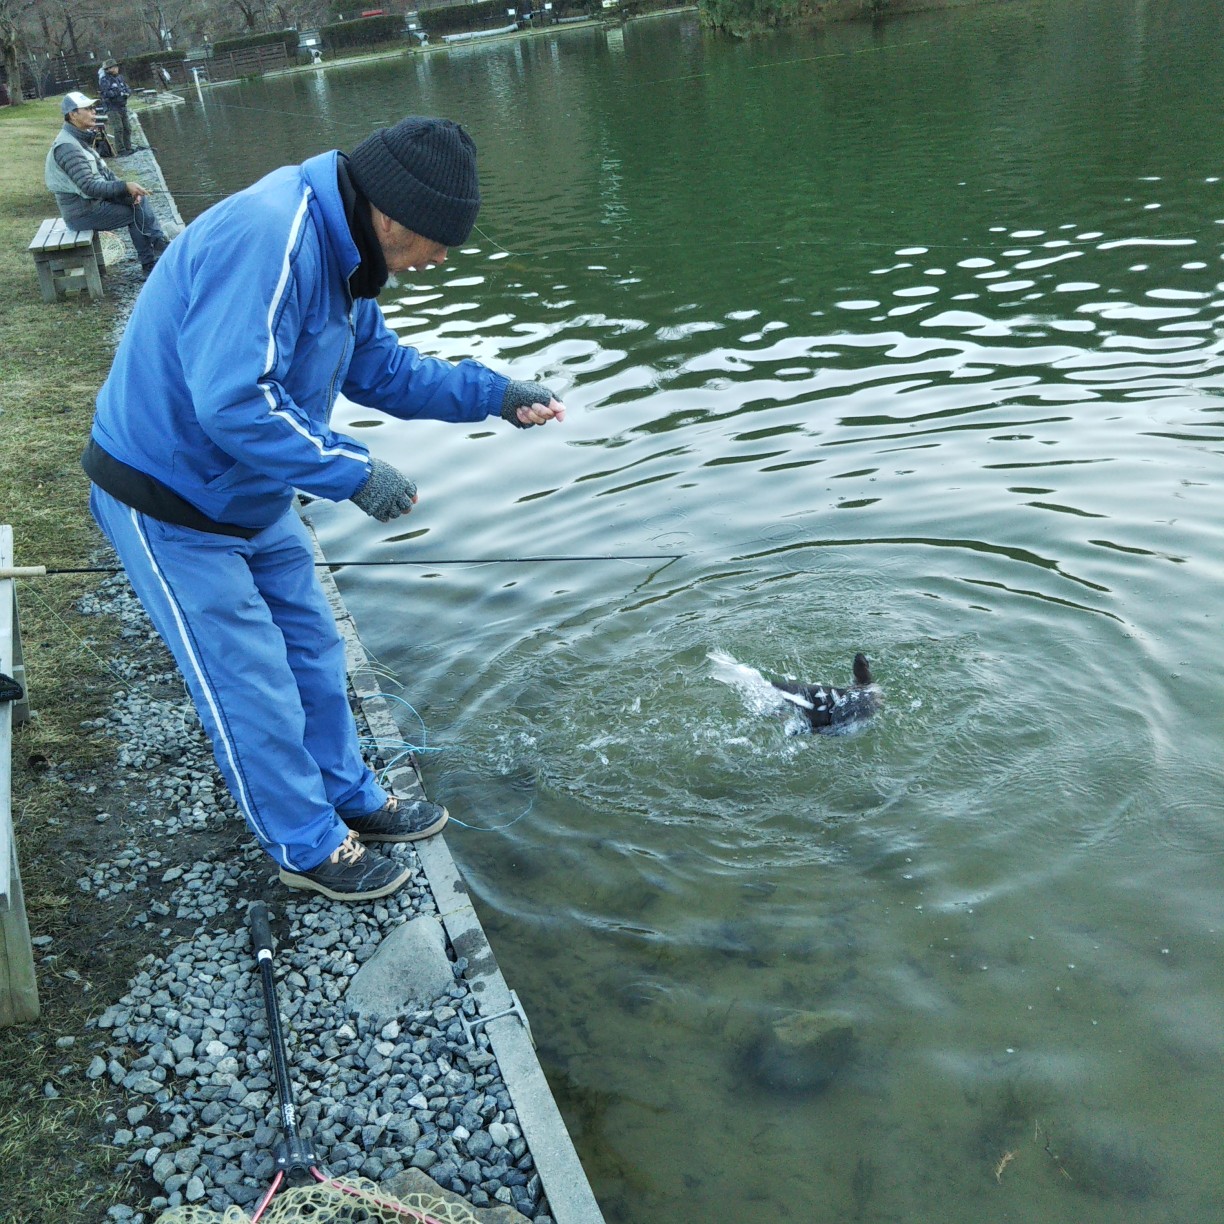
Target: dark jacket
<point>74,170</point>
<point>114,89</point>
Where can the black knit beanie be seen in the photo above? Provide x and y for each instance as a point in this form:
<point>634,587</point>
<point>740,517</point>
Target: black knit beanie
<point>421,173</point>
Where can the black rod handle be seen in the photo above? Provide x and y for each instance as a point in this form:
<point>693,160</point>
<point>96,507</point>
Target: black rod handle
<point>294,1154</point>
<point>261,931</point>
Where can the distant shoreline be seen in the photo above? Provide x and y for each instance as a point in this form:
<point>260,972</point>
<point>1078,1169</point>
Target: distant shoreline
<point>821,13</point>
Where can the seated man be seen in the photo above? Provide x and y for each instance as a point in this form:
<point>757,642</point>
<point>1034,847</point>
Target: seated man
<point>89,194</point>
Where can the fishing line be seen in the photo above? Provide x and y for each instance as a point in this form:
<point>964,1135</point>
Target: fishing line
<point>80,641</point>
<point>668,557</point>
<point>263,110</point>
<point>223,104</point>
<point>493,828</point>
<point>404,746</point>
<point>966,245</point>
<point>42,571</point>
<point>406,750</point>
<point>489,238</point>
<point>217,195</point>
<point>375,668</point>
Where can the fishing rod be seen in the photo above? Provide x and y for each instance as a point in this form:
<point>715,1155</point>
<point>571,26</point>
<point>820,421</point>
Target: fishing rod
<point>43,571</point>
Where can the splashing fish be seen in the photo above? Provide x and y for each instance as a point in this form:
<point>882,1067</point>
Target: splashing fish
<point>812,707</point>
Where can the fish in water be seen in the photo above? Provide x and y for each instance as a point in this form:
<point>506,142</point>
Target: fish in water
<point>813,707</point>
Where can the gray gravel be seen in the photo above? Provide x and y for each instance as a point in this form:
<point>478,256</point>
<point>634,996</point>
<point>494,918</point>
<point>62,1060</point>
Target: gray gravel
<point>188,1045</point>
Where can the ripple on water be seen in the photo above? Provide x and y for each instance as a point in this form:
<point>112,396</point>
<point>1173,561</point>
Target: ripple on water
<point>1192,826</point>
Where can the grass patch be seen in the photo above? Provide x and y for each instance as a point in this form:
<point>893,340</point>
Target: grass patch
<point>53,357</point>
<point>54,1160</point>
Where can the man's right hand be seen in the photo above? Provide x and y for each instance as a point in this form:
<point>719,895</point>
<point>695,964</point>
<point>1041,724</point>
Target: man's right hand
<point>526,404</point>
<point>136,191</point>
<point>386,493</point>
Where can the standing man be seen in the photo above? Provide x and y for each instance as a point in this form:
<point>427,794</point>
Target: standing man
<point>218,406</point>
<point>89,194</point>
<point>115,94</point>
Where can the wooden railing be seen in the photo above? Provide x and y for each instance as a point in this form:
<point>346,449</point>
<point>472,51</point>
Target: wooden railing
<point>18,988</point>
<point>247,62</point>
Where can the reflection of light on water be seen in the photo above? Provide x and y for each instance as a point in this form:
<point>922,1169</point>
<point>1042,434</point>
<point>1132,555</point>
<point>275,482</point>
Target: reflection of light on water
<point>319,88</point>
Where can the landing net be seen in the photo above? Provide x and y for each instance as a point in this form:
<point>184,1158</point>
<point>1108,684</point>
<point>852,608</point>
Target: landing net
<point>335,1201</point>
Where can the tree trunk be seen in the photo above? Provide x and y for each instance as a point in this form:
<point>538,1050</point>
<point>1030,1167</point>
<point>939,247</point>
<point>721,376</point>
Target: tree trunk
<point>12,68</point>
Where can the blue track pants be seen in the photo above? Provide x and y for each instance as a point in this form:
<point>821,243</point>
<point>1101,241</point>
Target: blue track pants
<point>252,632</point>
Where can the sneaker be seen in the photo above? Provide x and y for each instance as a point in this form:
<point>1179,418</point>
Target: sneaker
<point>351,873</point>
<point>399,821</point>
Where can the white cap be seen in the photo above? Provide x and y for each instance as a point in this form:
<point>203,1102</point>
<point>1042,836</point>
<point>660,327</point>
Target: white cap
<point>76,101</point>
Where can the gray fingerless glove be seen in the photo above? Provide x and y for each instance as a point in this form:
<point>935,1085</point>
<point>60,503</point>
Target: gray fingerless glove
<point>523,395</point>
<point>386,493</point>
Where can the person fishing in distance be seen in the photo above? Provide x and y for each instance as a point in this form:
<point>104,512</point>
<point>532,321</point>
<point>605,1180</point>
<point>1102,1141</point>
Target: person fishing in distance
<point>218,407</point>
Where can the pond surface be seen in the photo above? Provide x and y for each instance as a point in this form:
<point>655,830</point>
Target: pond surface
<point>908,341</point>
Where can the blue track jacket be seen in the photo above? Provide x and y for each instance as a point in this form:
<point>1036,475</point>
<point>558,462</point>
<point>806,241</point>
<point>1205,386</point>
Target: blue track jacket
<point>224,382</point>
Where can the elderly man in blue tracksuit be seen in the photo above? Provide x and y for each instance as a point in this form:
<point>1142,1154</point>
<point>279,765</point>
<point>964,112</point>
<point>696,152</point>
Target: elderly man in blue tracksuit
<point>218,406</point>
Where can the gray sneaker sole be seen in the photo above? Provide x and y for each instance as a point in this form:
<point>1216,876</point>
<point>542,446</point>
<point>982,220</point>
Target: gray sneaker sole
<point>429,831</point>
<point>291,879</point>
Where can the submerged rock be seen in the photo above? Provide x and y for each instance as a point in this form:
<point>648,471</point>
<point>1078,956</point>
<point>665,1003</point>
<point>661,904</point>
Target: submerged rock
<point>800,1052</point>
<point>1108,1165</point>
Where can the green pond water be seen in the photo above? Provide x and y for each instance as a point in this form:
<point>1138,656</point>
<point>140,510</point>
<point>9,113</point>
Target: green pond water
<point>907,340</point>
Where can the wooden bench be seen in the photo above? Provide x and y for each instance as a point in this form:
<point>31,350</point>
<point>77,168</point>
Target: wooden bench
<point>67,259</point>
<point>18,987</point>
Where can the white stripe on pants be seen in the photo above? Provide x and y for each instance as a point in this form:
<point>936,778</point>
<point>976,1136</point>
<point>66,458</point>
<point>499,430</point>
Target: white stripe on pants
<point>256,641</point>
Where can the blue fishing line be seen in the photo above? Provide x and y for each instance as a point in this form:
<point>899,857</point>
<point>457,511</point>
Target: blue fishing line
<point>410,706</point>
<point>407,749</point>
<point>401,747</point>
<point>493,828</point>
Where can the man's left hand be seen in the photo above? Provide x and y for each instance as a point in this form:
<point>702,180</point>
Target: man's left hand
<point>526,404</point>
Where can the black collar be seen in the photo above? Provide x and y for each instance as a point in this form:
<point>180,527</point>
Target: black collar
<point>370,275</point>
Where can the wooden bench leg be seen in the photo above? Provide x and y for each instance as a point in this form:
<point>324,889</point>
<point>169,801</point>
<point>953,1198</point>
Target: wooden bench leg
<point>60,253</point>
<point>93,281</point>
<point>46,280</point>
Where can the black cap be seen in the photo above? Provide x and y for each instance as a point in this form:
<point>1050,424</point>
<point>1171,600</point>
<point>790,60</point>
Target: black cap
<point>421,173</point>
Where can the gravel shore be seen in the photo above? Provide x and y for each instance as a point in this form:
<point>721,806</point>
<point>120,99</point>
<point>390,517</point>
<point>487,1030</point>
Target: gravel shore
<point>187,1042</point>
